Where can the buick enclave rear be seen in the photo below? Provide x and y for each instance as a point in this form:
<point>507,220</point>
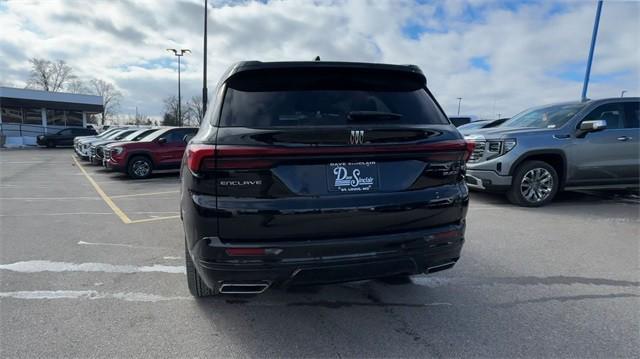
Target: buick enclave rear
<point>321,172</point>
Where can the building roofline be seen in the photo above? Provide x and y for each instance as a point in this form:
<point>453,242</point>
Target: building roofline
<point>27,98</point>
<point>47,96</point>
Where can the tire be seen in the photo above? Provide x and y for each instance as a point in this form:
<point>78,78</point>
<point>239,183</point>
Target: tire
<point>51,144</point>
<point>139,167</point>
<point>535,184</point>
<point>197,286</point>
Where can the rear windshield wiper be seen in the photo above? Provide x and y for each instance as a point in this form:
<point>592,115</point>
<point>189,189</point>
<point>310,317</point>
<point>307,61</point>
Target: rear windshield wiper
<point>373,115</point>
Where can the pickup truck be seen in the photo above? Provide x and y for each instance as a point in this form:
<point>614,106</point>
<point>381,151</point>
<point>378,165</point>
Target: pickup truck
<point>565,146</point>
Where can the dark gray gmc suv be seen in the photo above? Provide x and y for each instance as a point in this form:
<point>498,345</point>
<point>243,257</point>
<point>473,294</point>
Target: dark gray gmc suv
<point>573,145</point>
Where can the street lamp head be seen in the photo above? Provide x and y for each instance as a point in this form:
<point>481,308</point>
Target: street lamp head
<point>175,52</point>
<point>184,51</point>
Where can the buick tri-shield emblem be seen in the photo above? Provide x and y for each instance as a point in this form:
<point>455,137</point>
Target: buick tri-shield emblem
<point>357,137</point>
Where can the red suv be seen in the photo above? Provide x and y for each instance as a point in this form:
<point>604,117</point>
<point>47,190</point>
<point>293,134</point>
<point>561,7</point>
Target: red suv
<point>160,150</point>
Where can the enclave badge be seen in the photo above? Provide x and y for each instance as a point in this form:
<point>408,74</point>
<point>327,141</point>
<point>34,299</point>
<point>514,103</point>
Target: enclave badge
<point>357,137</point>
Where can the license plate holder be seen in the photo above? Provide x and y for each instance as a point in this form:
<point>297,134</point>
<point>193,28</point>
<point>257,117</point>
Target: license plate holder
<point>353,177</point>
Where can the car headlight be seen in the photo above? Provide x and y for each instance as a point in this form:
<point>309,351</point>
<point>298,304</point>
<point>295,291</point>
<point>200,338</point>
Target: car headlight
<point>117,150</point>
<point>497,148</point>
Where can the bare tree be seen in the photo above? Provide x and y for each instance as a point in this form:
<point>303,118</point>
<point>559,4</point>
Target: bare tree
<point>110,97</point>
<point>77,86</point>
<point>195,111</point>
<point>49,76</point>
<point>170,117</point>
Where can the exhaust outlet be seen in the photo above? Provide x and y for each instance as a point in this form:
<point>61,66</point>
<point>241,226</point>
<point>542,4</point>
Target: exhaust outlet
<point>243,288</point>
<point>440,267</point>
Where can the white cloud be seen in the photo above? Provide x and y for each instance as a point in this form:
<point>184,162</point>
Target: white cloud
<point>536,51</point>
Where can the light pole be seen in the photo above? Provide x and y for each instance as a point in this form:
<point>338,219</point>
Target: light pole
<point>587,73</point>
<point>204,75</point>
<point>459,100</point>
<point>622,93</point>
<point>179,54</point>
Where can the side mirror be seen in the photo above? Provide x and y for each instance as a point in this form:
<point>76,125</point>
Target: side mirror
<point>187,138</point>
<point>591,126</point>
<point>162,140</point>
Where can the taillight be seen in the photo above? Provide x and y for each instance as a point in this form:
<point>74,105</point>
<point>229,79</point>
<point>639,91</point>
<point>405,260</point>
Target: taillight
<point>470,147</point>
<point>199,156</point>
<point>230,157</point>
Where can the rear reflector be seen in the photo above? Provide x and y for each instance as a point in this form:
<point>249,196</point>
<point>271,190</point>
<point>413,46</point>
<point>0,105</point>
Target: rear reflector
<point>245,251</point>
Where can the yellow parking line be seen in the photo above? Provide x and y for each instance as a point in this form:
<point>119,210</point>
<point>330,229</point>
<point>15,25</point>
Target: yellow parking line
<point>143,194</point>
<point>123,217</point>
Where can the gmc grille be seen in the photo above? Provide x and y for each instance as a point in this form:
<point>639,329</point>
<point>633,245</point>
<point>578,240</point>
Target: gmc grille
<point>478,151</point>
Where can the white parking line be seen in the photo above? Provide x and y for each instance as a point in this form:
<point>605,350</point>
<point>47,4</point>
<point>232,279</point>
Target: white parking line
<point>49,198</point>
<point>37,266</point>
<point>26,162</point>
<point>83,243</point>
<point>153,218</point>
<point>89,294</point>
<point>142,194</point>
<point>57,214</point>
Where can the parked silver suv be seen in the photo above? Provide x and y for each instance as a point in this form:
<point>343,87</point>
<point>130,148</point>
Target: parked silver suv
<point>573,145</point>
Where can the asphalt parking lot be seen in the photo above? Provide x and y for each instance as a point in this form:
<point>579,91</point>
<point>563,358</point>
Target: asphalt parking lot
<point>79,280</point>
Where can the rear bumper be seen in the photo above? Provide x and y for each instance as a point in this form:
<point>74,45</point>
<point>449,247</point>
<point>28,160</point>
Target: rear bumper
<point>487,180</point>
<point>331,261</point>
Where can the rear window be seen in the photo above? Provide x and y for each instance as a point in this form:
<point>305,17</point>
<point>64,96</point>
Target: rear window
<point>327,99</point>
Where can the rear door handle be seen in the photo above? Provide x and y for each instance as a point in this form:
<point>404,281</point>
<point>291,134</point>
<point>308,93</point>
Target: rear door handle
<point>623,138</point>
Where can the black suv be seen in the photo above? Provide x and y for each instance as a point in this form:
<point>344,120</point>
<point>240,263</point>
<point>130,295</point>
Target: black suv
<point>321,172</point>
<point>64,137</point>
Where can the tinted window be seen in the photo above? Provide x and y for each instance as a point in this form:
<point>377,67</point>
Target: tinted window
<point>11,115</point>
<point>65,132</point>
<point>176,136</point>
<point>55,118</point>
<point>33,116</point>
<point>474,125</point>
<point>632,109</point>
<point>308,99</point>
<point>553,116</point>
<point>74,118</point>
<point>80,131</point>
<point>137,137</point>
<point>459,121</point>
<point>123,134</point>
<point>153,135</point>
<point>612,113</point>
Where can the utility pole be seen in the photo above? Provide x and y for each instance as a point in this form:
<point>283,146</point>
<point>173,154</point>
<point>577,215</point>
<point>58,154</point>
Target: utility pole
<point>459,100</point>
<point>179,55</point>
<point>204,75</point>
<point>594,34</point>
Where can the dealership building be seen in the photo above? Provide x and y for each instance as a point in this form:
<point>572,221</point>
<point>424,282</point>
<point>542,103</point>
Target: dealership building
<point>25,114</point>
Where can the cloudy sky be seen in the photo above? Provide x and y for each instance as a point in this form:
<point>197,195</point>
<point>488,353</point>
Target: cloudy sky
<point>499,56</point>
